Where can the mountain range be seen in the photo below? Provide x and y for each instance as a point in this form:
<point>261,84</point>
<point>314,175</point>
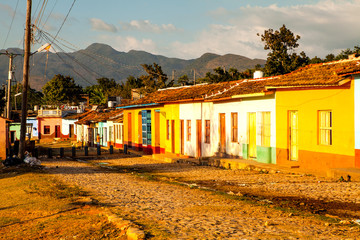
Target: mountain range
<point>100,60</point>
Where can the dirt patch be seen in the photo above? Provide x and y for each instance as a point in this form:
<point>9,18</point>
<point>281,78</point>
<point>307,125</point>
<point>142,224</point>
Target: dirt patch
<point>35,205</point>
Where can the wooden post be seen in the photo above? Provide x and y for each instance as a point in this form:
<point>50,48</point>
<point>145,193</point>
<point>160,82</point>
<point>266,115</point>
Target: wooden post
<point>25,79</point>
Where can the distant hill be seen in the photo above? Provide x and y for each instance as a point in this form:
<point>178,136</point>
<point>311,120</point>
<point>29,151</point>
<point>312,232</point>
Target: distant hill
<point>100,60</point>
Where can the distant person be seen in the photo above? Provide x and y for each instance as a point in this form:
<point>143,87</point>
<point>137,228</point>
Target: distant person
<point>98,139</point>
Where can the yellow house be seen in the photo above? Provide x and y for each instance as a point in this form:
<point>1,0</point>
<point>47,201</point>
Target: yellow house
<point>152,123</point>
<point>315,117</point>
<point>152,128</point>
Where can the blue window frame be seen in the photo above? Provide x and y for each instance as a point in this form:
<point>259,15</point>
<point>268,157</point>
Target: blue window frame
<point>146,127</point>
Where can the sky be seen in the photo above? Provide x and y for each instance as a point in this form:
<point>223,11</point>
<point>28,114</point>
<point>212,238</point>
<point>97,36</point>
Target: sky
<point>184,28</point>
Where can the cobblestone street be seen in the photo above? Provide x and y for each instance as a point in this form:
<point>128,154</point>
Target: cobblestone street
<point>183,201</point>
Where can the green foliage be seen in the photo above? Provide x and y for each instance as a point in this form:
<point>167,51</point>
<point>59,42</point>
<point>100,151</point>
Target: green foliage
<point>34,97</point>
<point>222,75</point>
<point>2,100</point>
<point>316,60</point>
<point>100,92</point>
<point>282,58</point>
<point>131,82</point>
<point>184,80</point>
<point>344,54</point>
<point>61,90</point>
<point>156,78</point>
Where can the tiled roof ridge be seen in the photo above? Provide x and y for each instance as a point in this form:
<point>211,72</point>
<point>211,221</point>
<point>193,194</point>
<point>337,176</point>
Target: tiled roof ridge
<point>320,64</point>
<point>178,87</point>
<point>221,92</point>
<point>261,79</point>
<point>342,61</point>
<point>238,82</point>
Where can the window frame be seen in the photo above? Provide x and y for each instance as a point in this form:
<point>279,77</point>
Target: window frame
<point>168,129</point>
<point>47,127</point>
<point>207,131</point>
<point>188,130</point>
<point>234,127</point>
<point>266,129</point>
<point>325,127</point>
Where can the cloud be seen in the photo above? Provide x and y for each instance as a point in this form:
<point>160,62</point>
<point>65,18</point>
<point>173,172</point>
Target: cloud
<point>100,25</point>
<point>146,26</point>
<point>6,8</point>
<point>325,27</point>
<point>128,43</point>
<point>222,39</point>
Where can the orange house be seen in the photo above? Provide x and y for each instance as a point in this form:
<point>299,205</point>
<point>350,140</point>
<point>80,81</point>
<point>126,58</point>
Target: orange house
<point>4,137</point>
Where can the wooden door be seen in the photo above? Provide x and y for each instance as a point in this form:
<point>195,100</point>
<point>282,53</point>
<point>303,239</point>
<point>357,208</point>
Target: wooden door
<point>222,133</point>
<point>90,139</point>
<point>129,140</point>
<point>252,134</point>
<point>293,136</point>
<point>157,131</point>
<point>71,130</point>
<point>173,136</point>
<point>57,131</point>
<point>182,137</point>
<point>198,138</point>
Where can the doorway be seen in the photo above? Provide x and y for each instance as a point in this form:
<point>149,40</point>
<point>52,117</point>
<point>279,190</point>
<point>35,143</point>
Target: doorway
<point>293,136</point>
<point>198,138</point>
<point>182,137</point>
<point>252,134</point>
<point>222,133</point>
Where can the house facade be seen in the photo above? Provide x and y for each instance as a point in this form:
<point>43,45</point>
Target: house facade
<point>49,124</point>
<point>4,137</point>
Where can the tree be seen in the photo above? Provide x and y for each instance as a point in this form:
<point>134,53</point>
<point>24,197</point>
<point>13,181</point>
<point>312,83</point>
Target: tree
<point>282,58</point>
<point>2,100</point>
<point>100,92</point>
<point>131,82</point>
<point>61,90</point>
<point>155,79</point>
<point>184,80</point>
<point>222,75</point>
<point>34,97</point>
<point>344,54</point>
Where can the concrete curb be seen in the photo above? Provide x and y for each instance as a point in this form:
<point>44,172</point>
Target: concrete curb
<point>128,228</point>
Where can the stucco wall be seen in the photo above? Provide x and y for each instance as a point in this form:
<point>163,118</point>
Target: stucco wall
<point>308,102</point>
<point>197,111</point>
<point>66,126</point>
<point>257,105</point>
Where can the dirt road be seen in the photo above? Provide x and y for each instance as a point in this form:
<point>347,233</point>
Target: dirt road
<point>182,201</point>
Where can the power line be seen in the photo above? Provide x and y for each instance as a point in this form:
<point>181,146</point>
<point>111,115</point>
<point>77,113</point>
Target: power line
<point>50,14</point>
<point>12,20</point>
<point>41,13</point>
<point>85,52</point>
<point>63,21</point>
<point>37,7</point>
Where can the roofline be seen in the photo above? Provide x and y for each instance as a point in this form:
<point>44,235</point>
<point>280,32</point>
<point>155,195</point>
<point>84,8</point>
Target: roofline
<point>139,105</point>
<point>260,94</point>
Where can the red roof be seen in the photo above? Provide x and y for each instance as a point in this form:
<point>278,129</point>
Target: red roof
<point>323,74</point>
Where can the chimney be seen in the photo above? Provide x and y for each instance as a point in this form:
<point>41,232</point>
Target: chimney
<point>258,74</point>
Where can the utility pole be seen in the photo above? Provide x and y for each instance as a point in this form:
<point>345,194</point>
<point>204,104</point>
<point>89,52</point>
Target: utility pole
<point>25,79</point>
<point>8,98</point>
<point>173,75</point>
<point>194,77</point>
<point>7,110</point>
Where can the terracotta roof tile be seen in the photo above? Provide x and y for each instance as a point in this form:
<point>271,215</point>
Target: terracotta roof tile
<point>323,74</point>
